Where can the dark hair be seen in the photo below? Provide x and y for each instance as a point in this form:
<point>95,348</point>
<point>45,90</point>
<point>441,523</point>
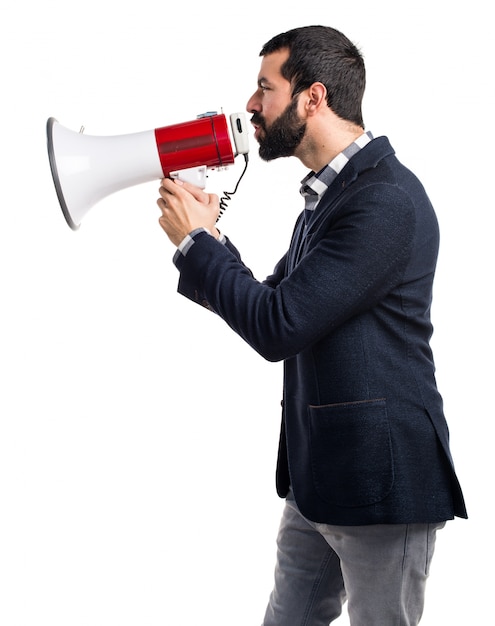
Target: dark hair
<point>323,54</point>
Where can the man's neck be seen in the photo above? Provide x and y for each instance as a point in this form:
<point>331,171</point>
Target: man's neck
<point>325,139</point>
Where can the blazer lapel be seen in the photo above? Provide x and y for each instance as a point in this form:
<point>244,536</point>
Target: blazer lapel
<point>306,234</point>
<point>296,244</point>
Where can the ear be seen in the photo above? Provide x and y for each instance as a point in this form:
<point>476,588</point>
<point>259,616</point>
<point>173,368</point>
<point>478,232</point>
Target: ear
<point>316,97</point>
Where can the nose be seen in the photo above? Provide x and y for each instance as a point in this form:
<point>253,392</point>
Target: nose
<point>253,104</point>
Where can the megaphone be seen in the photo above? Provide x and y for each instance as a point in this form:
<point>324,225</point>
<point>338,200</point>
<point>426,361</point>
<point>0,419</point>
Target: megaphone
<point>87,168</point>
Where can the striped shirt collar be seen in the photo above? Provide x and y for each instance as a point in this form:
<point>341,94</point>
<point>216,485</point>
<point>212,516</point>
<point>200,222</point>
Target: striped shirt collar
<point>314,185</point>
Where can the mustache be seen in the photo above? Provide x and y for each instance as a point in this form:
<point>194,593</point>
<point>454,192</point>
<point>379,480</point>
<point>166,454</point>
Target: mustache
<point>258,120</point>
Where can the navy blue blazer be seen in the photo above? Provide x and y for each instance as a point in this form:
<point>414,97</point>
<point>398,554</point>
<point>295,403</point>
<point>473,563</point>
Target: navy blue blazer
<point>363,439</point>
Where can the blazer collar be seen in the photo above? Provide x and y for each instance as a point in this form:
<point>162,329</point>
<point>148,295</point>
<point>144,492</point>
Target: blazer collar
<point>367,158</point>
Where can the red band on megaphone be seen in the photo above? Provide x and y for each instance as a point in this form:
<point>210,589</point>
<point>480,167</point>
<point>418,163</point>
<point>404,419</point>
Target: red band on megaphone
<point>204,141</point>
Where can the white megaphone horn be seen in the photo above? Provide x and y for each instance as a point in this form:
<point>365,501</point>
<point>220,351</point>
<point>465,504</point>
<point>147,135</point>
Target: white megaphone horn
<point>87,168</point>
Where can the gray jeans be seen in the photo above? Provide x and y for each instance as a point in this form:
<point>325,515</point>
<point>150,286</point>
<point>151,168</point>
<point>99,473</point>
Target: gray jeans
<point>381,570</point>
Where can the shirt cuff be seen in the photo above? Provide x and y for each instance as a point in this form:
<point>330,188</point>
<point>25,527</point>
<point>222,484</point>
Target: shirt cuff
<point>187,243</point>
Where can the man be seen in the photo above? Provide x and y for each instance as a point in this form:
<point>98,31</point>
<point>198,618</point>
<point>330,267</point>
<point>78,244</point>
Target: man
<point>364,460</point>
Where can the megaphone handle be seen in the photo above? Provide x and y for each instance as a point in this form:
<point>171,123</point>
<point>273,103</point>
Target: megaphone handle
<point>194,175</point>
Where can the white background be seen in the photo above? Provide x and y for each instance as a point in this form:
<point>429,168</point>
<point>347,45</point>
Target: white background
<point>138,434</point>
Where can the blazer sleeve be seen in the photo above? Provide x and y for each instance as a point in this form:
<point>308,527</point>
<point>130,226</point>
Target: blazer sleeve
<point>278,272</point>
<point>356,259</point>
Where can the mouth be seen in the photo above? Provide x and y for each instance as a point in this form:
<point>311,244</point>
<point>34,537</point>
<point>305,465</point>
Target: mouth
<point>257,130</point>
<point>257,125</point>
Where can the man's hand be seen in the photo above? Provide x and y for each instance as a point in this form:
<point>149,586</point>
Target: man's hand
<point>186,207</point>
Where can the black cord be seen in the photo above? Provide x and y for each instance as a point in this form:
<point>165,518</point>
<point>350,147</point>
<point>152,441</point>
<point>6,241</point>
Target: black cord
<point>227,194</point>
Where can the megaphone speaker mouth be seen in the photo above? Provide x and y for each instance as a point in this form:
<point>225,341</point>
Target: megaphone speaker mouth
<point>56,179</point>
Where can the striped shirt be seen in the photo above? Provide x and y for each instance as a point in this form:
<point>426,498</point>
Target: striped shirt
<point>314,185</point>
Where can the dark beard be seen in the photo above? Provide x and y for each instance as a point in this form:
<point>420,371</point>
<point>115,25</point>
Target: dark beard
<point>283,136</point>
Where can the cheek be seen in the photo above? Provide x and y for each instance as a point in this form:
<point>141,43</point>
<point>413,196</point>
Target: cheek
<point>270,111</point>
<point>274,107</point>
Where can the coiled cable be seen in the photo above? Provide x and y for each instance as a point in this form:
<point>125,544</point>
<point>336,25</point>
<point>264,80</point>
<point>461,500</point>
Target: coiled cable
<point>228,194</point>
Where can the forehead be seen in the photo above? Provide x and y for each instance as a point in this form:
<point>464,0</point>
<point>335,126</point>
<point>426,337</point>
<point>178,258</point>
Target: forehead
<point>270,66</point>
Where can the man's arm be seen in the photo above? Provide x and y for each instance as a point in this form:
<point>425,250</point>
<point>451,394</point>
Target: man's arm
<point>356,262</point>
